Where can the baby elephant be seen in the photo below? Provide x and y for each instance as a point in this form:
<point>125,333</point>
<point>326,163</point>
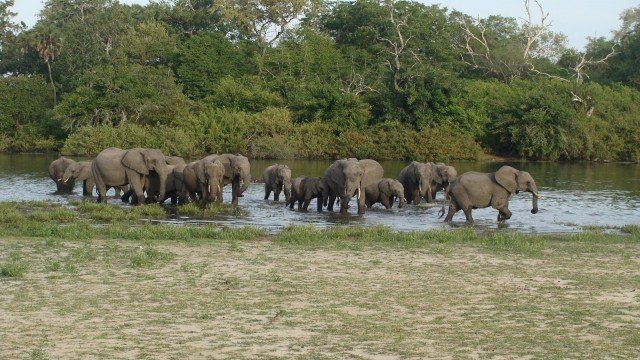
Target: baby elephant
<point>384,191</point>
<point>473,190</point>
<point>276,178</point>
<point>308,189</point>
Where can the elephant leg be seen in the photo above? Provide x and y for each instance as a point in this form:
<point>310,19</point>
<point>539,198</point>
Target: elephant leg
<point>267,191</point>
<point>235,187</point>
<point>127,195</point>
<point>307,201</point>
<point>361,206</point>
<point>137,185</point>
<point>332,200</point>
<point>416,197</point>
<point>467,214</point>
<point>385,202</point>
<point>320,202</point>
<point>344,205</point>
<point>87,187</point>
<point>276,192</point>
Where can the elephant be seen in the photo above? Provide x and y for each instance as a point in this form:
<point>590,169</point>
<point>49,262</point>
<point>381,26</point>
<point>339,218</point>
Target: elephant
<point>312,188</point>
<point>209,179</point>
<point>116,167</point>
<point>237,172</point>
<point>169,160</point>
<point>152,186</point>
<point>347,177</point>
<point>276,178</point>
<point>442,177</point>
<point>81,171</point>
<point>188,182</point>
<point>473,190</point>
<point>56,172</point>
<point>297,195</point>
<point>416,179</point>
<point>174,160</point>
<point>384,191</point>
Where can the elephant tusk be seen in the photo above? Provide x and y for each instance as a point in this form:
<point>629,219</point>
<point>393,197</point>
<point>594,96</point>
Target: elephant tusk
<point>358,194</point>
<point>420,188</point>
<point>219,190</point>
<point>209,188</point>
<point>429,189</point>
<point>536,195</point>
<point>59,179</point>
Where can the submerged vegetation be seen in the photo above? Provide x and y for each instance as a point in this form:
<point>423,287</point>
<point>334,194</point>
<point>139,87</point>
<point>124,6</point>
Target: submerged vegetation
<point>314,79</point>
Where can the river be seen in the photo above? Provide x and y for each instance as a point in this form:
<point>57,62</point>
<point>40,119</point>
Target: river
<point>576,195</point>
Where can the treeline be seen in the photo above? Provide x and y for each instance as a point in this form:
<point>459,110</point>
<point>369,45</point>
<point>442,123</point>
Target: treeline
<point>314,79</point>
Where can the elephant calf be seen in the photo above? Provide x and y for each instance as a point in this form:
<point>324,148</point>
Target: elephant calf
<point>277,178</point>
<point>473,190</point>
<point>312,188</point>
<point>297,195</point>
<point>384,191</point>
<point>56,172</point>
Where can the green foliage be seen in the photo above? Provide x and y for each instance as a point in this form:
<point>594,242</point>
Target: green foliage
<point>385,80</point>
<point>205,59</point>
<point>90,140</point>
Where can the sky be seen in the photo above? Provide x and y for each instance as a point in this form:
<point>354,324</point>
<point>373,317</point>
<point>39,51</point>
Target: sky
<point>578,19</point>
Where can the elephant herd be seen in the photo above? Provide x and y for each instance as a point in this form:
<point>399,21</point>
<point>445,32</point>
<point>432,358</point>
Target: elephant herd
<point>147,175</point>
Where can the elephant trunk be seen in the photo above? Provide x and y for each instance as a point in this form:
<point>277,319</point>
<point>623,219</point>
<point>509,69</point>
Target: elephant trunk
<point>246,180</point>
<point>162,177</point>
<point>287,191</point>
<point>534,191</point>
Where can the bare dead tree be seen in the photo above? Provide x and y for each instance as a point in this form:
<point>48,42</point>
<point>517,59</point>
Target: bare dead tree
<point>356,84</point>
<point>398,45</point>
<point>538,42</point>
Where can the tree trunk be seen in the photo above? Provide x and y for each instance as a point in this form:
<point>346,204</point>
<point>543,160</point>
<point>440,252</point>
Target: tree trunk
<point>53,85</point>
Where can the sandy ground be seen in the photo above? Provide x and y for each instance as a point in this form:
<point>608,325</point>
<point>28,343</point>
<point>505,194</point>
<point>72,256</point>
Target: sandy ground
<point>266,300</point>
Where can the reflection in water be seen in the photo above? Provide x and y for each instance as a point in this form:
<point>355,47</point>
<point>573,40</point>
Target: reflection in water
<point>575,195</point>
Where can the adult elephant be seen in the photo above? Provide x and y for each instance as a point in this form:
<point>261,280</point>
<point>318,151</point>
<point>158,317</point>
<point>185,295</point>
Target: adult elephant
<point>474,190</point>
<point>384,191</point>
<point>443,176</point>
<point>56,172</point>
<point>116,167</point>
<point>188,182</point>
<point>277,178</point>
<point>348,177</point>
<point>237,172</point>
<point>152,183</point>
<point>297,194</point>
<point>416,179</point>
<point>209,179</point>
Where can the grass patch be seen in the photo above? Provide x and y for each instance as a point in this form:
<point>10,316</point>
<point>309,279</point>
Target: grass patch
<point>14,268</point>
<point>631,229</point>
<point>199,210</point>
<point>148,257</point>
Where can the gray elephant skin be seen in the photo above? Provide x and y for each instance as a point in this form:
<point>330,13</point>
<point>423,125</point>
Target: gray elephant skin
<point>237,172</point>
<point>297,195</point>
<point>203,180</point>
<point>442,176</point>
<point>312,188</point>
<point>80,171</point>
<point>348,177</point>
<point>384,191</point>
<point>116,167</point>
<point>416,179</point>
<point>474,190</point>
<point>56,172</point>
<point>277,178</point>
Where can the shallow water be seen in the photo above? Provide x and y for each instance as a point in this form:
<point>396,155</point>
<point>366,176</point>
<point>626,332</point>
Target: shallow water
<point>575,195</point>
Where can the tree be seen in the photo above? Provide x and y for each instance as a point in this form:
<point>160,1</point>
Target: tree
<point>263,21</point>
<point>48,50</point>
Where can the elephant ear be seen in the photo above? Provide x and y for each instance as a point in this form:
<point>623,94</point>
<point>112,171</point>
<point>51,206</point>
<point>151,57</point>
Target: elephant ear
<point>199,169</point>
<point>134,160</point>
<point>506,177</point>
<point>385,187</point>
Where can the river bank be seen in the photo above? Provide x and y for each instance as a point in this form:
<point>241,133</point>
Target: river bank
<point>348,292</point>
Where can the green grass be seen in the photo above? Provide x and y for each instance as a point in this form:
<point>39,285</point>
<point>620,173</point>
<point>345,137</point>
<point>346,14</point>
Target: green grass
<point>14,268</point>
<point>148,257</point>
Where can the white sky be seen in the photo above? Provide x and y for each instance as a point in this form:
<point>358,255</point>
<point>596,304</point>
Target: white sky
<point>578,19</point>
